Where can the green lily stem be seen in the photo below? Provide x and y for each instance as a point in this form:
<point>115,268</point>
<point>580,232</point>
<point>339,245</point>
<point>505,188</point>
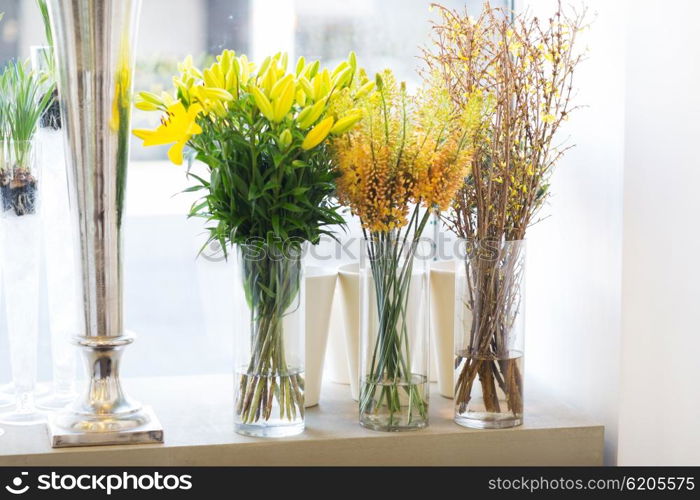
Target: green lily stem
<point>271,288</point>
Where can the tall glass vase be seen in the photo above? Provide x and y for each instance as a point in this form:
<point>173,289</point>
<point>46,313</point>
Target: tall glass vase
<point>489,334</point>
<point>59,250</point>
<point>269,340</point>
<point>394,335</point>
<point>20,237</point>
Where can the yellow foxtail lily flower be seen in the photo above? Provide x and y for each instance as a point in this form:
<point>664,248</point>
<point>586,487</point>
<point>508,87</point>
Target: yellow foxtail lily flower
<point>317,134</point>
<point>177,128</point>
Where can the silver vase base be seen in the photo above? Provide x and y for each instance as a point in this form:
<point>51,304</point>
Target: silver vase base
<point>69,429</point>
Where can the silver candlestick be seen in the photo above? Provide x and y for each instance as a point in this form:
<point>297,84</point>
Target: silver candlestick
<point>94,43</point>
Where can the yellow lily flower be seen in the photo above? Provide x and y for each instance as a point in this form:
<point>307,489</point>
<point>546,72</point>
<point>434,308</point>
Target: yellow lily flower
<point>177,128</point>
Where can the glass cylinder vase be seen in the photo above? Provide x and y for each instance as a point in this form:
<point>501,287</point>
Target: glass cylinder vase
<point>489,334</point>
<point>20,238</point>
<point>59,250</point>
<point>393,335</point>
<point>269,341</point>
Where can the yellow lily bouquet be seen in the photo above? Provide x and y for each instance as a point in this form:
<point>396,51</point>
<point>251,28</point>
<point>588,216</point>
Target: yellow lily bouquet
<point>404,161</point>
<point>262,131</point>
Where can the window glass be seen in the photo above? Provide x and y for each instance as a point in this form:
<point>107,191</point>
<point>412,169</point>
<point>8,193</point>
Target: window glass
<point>177,304</point>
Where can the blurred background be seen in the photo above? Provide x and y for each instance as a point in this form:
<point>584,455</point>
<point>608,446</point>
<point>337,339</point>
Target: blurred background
<point>612,274</point>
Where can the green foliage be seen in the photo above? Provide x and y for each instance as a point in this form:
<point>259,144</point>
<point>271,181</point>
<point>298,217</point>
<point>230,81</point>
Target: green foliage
<point>50,63</point>
<point>24,97</point>
<point>260,190</point>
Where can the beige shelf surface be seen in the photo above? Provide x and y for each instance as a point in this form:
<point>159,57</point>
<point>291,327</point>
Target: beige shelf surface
<point>196,414</point>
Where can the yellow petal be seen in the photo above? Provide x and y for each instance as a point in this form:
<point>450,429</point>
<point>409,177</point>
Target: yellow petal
<point>175,152</point>
<point>142,133</point>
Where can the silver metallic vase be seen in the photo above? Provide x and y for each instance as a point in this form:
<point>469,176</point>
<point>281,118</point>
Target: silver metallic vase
<point>94,42</point>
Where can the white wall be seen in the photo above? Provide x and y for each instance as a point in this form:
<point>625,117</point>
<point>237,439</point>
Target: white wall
<point>660,391</point>
<point>574,263</point>
<point>613,277</point>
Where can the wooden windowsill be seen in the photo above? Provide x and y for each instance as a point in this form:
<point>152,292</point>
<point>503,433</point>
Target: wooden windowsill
<point>196,415</point>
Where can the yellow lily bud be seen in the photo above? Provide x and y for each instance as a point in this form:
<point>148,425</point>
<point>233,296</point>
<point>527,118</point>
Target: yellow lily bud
<point>263,67</point>
<point>352,60</point>
<point>304,83</point>
<point>236,66</point>
<point>340,68</point>
<point>281,86</point>
<point>211,79</point>
<point>317,134</point>
<point>150,97</point>
<point>319,85</point>
<point>146,105</point>
<point>284,102</point>
<point>231,83</point>
<point>301,98</point>
<point>166,98</point>
<point>285,139</point>
<point>301,64</point>
<point>304,115</point>
<point>364,90</point>
<point>283,61</point>
<point>270,78</point>
<point>214,93</point>
<point>262,102</point>
<point>325,83</point>
<point>310,114</point>
<point>342,79</point>
<point>347,122</point>
<point>313,69</point>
